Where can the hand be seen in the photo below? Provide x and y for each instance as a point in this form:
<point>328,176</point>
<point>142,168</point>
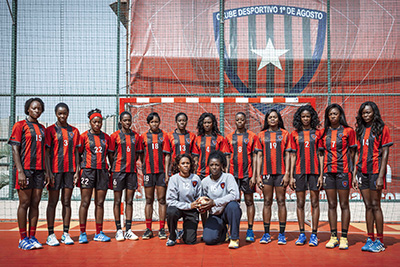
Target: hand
<point>22,181</point>
<point>49,179</point>
<point>285,180</point>
<point>320,182</point>
<point>379,183</point>
<point>166,179</point>
<point>76,177</point>
<point>292,183</point>
<point>206,204</point>
<point>260,183</point>
<point>252,182</point>
<point>194,204</point>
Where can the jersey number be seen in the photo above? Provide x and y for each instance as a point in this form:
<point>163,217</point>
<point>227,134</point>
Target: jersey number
<point>272,145</point>
<point>65,142</point>
<point>128,149</point>
<point>98,149</point>
<point>333,144</point>
<point>38,138</point>
<point>307,144</point>
<point>365,142</point>
<point>240,149</point>
<point>182,147</point>
<point>154,146</point>
<point>85,181</point>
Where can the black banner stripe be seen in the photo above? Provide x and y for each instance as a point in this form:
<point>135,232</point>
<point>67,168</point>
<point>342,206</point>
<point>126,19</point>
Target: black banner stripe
<point>288,54</point>
<point>270,69</point>
<point>252,56</point>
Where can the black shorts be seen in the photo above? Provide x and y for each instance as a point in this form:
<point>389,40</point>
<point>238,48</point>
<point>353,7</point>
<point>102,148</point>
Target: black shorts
<point>273,179</point>
<point>154,179</point>
<point>368,181</point>
<point>34,179</point>
<point>244,185</point>
<point>306,181</point>
<point>94,178</point>
<point>337,180</point>
<point>62,180</point>
<point>124,180</point>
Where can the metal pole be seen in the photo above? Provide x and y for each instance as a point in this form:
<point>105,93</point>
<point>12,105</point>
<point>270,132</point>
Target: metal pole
<point>13,90</point>
<point>328,13</point>
<point>221,64</point>
<point>118,59</point>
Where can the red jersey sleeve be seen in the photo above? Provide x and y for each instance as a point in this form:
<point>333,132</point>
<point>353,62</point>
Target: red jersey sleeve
<point>386,138</point>
<point>352,138</point>
<point>196,149</point>
<point>257,144</point>
<point>139,143</point>
<point>223,145</point>
<point>166,145</point>
<point>287,140</point>
<point>77,137</point>
<point>48,134</point>
<point>292,141</point>
<point>111,146</point>
<point>16,134</point>
<point>82,143</point>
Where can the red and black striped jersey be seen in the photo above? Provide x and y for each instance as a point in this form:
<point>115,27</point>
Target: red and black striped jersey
<point>273,147</point>
<point>181,143</point>
<point>95,148</point>
<point>204,145</point>
<point>370,150</point>
<point>30,136</point>
<point>305,145</point>
<point>336,143</point>
<point>242,146</point>
<point>155,145</point>
<point>126,145</point>
<point>63,143</point>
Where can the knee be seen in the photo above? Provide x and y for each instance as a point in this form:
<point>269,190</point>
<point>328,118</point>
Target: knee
<point>210,239</point>
<point>267,202</point>
<point>332,204</point>
<point>172,212</point>
<point>375,206</point>
<point>85,204</point>
<point>280,202</point>
<point>100,203</point>
<point>161,201</point>
<point>368,206</point>
<point>24,204</point>
<point>149,200</point>
<point>129,202</point>
<point>300,204</point>
<point>314,204</point>
<point>249,203</point>
<point>51,204</point>
<point>117,202</point>
<point>344,205</point>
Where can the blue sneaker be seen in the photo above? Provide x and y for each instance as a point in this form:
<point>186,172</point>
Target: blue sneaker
<point>179,234</point>
<point>377,246</point>
<point>313,240</point>
<point>301,240</point>
<point>265,239</point>
<point>249,235</point>
<point>281,239</point>
<point>83,238</point>
<point>101,237</point>
<point>25,244</point>
<point>368,245</point>
<point>35,242</point>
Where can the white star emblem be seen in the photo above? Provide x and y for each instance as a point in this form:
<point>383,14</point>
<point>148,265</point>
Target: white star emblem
<point>270,55</point>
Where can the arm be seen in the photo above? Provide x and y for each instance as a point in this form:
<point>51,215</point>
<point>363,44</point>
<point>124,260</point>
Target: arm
<point>110,156</point>
<point>18,165</point>
<point>354,179</point>
<point>292,183</point>
<point>49,174</point>
<point>285,180</point>
<point>259,165</point>
<point>252,181</point>
<point>228,161</point>
<point>321,167</point>
<point>167,162</point>
<point>382,170</point>
<point>78,166</point>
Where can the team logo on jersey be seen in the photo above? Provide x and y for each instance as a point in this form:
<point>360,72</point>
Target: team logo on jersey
<point>194,183</point>
<point>340,135</point>
<point>246,141</point>
<point>188,140</point>
<point>313,136</point>
<point>244,26</point>
<point>71,134</point>
<point>133,140</point>
<point>161,138</point>
<point>214,142</point>
<point>345,183</point>
<point>280,137</point>
<point>222,185</point>
<point>103,142</point>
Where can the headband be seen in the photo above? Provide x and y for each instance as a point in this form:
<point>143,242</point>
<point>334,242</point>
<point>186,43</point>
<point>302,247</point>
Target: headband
<point>95,115</point>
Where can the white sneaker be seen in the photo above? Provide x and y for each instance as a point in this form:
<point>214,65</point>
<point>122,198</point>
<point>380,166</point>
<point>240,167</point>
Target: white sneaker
<point>119,236</point>
<point>66,239</point>
<point>129,235</point>
<point>52,240</point>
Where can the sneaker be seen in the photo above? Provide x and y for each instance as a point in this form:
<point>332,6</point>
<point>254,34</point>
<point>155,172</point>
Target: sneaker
<point>179,234</point>
<point>301,240</point>
<point>377,246</point>
<point>249,235</point>
<point>25,244</point>
<point>333,242</point>
<point>265,239</point>
<point>227,237</point>
<point>101,237</point>
<point>313,240</point>
<point>281,239</point>
<point>35,242</point>
<point>129,235</point>
<point>66,239</point>
<point>344,244</point>
<point>52,240</point>
<point>119,236</point>
<point>170,243</point>
<point>162,234</point>
<point>147,234</point>
<point>234,243</point>
<point>368,245</point>
<point>83,238</point>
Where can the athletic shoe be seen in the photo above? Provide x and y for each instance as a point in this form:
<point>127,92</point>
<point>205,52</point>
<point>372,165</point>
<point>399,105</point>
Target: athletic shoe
<point>147,234</point>
<point>170,243</point>
<point>265,239</point>
<point>234,243</point>
<point>333,242</point>
<point>129,235</point>
<point>313,240</point>
<point>227,237</point>
<point>249,235</point>
<point>119,236</point>
<point>25,244</point>
<point>344,244</point>
<point>52,240</point>
<point>35,242</point>
<point>83,238</point>
<point>301,240</point>
<point>368,245</point>
<point>179,234</point>
<point>66,239</point>
<point>162,234</point>
<point>101,237</point>
<point>377,246</point>
<point>281,239</point>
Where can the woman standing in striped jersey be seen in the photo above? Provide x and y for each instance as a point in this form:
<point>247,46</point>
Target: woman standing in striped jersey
<point>273,163</point>
<point>305,172</point>
<point>95,147</point>
<point>373,142</point>
<point>337,150</point>
<point>127,147</point>
<point>27,142</point>
<point>156,157</point>
<point>62,167</point>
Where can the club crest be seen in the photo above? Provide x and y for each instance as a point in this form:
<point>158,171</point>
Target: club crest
<point>280,137</point>
<point>161,138</point>
<point>314,136</point>
<point>214,142</point>
<point>246,141</point>
<point>340,135</point>
<point>188,140</point>
<point>222,185</point>
<point>194,183</point>
<point>71,134</point>
<point>345,183</point>
<point>103,141</point>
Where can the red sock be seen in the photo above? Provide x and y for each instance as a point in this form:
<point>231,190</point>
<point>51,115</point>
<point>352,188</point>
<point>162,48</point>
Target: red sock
<point>379,237</point>
<point>162,224</point>
<point>371,235</point>
<point>82,226</point>
<point>32,231</point>
<point>148,223</point>
<point>22,232</point>
<point>99,228</point>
